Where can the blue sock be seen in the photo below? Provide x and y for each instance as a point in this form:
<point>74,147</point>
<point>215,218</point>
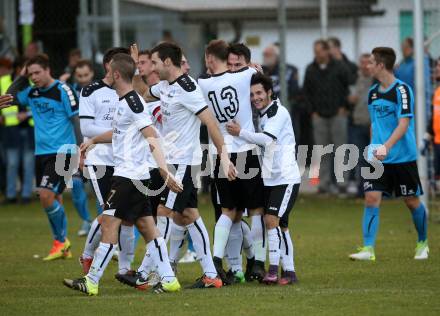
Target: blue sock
<point>58,220</point>
<point>137,235</point>
<point>79,198</point>
<point>190,244</point>
<point>420,221</point>
<point>370,224</point>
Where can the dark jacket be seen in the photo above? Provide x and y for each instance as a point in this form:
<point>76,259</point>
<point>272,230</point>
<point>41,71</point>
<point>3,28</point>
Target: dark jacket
<point>352,68</point>
<point>326,90</point>
<point>292,81</point>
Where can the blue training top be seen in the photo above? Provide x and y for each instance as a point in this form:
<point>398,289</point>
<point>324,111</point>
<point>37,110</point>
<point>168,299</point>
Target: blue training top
<point>52,110</point>
<point>386,109</point>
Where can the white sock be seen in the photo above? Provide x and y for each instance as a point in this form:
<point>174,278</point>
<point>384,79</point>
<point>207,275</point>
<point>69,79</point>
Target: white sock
<point>287,252</point>
<point>164,225</point>
<point>221,235</point>
<point>248,244</point>
<point>102,257</point>
<point>259,237</point>
<point>158,252</point>
<point>274,241</point>
<point>233,248</point>
<point>126,248</point>
<point>177,240</point>
<point>93,239</point>
<point>200,239</point>
<point>147,265</point>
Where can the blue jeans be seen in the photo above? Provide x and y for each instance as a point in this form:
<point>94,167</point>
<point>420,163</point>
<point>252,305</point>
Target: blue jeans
<point>14,156</point>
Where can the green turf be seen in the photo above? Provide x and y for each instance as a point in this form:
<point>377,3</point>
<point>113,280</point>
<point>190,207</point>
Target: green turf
<point>324,231</point>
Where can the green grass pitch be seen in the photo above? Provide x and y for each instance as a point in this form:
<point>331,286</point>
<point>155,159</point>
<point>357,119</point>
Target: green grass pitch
<point>324,232</point>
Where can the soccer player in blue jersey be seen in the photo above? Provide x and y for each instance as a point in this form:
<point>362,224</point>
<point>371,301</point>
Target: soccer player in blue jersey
<point>393,142</point>
<point>55,112</point>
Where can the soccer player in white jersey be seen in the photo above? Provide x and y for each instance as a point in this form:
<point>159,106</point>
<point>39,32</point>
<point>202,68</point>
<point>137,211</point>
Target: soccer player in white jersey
<point>183,108</point>
<point>280,174</point>
<point>127,199</point>
<point>97,106</point>
<point>227,94</point>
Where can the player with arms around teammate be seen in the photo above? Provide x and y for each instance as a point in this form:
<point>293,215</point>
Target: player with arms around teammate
<point>183,109</point>
<point>280,175</point>
<point>97,106</point>
<point>227,94</point>
<point>127,199</point>
<point>55,112</point>
<point>393,142</point>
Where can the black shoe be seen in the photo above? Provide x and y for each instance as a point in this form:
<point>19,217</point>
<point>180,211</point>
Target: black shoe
<point>133,279</point>
<point>204,282</point>
<point>25,201</point>
<point>230,276</point>
<point>9,201</point>
<point>220,271</point>
<point>249,266</point>
<point>258,271</point>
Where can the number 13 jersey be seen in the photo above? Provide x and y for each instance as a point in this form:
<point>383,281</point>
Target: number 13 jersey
<point>228,97</point>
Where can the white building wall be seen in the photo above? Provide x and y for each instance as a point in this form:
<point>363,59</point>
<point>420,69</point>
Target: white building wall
<point>373,31</point>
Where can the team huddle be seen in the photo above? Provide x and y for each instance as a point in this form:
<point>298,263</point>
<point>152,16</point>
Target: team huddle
<point>139,137</point>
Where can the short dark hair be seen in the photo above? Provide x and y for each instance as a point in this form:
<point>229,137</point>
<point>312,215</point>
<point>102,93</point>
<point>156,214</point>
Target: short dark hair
<point>240,49</point>
<point>82,63</point>
<point>124,64</point>
<point>109,53</point>
<point>75,52</point>
<point>145,52</point>
<point>385,55</point>
<point>40,59</point>
<point>262,79</point>
<point>323,43</point>
<point>334,41</point>
<point>168,50</point>
<point>409,41</point>
<point>218,48</point>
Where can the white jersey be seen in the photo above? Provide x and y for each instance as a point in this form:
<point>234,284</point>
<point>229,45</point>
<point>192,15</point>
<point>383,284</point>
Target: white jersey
<point>156,117</point>
<point>130,148</point>
<point>181,101</point>
<point>279,161</point>
<point>98,103</point>
<point>228,97</point>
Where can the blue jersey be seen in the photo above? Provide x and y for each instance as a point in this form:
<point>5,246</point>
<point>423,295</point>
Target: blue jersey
<point>386,109</point>
<point>52,110</point>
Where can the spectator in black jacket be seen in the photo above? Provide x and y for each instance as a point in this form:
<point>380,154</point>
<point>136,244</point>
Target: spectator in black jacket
<point>337,54</point>
<point>326,89</point>
<point>271,67</point>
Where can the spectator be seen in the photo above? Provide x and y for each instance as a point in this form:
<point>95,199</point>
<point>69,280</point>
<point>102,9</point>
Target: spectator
<point>83,74</point>
<point>271,68</point>
<point>405,71</point>
<point>325,89</point>
<point>74,57</point>
<point>32,50</point>
<point>360,129</point>
<point>337,54</point>
<point>18,143</point>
